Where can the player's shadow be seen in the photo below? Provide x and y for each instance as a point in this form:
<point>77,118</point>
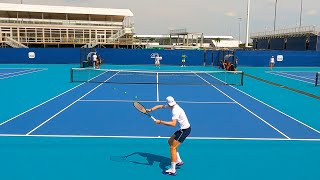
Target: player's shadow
<point>150,159</point>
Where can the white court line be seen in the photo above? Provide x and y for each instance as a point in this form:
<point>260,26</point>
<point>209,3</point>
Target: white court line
<point>17,72</point>
<point>70,105</point>
<point>295,71</point>
<point>22,68</point>
<point>275,109</point>
<point>289,77</point>
<point>154,137</point>
<point>23,73</point>
<point>45,102</point>
<point>157,87</point>
<point>311,77</point>
<point>245,108</point>
<point>303,77</point>
<point>190,102</point>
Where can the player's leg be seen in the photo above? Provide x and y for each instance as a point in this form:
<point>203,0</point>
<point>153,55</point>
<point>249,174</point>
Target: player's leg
<point>178,159</point>
<point>180,136</point>
<point>174,144</point>
<point>173,150</point>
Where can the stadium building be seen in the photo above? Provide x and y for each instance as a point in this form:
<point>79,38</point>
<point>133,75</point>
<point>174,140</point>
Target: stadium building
<point>297,39</point>
<point>188,41</point>
<point>23,25</point>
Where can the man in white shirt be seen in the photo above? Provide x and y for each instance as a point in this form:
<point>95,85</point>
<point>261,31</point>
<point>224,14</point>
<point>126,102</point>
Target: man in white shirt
<point>94,60</point>
<point>178,115</point>
<point>271,62</point>
<point>157,60</point>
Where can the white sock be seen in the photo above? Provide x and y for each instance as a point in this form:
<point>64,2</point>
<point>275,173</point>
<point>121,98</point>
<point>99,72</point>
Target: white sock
<point>178,158</point>
<point>173,166</point>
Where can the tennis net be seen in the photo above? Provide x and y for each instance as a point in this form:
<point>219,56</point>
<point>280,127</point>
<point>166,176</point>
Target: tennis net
<point>157,77</point>
<point>317,82</point>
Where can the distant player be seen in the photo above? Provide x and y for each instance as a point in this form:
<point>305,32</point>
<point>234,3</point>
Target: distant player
<point>178,115</point>
<point>236,64</point>
<point>98,62</point>
<point>94,59</point>
<point>157,59</point>
<point>183,60</point>
<point>271,64</point>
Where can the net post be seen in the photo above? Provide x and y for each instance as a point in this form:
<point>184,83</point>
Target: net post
<point>317,79</point>
<point>71,75</point>
<point>242,74</point>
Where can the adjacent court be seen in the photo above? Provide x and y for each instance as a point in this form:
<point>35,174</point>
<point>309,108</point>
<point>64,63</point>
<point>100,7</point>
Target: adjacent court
<point>94,120</point>
<point>303,76</point>
<point>12,72</point>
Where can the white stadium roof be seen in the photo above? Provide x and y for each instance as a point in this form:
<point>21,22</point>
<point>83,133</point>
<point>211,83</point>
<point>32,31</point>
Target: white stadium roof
<point>65,9</point>
<point>166,36</point>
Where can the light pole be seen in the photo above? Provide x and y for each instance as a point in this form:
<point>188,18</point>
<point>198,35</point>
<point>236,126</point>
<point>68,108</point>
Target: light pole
<point>239,30</point>
<point>300,12</point>
<point>248,23</point>
<point>275,16</point>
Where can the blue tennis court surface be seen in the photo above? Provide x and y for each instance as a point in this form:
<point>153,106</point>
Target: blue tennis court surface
<point>12,72</point>
<point>238,132</point>
<point>303,76</point>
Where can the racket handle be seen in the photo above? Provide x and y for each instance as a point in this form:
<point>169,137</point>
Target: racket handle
<point>153,118</point>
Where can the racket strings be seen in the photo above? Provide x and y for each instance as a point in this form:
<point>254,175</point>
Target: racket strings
<point>140,107</point>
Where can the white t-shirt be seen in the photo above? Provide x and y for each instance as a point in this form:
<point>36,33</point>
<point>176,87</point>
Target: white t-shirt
<point>179,114</point>
<point>157,59</point>
<point>272,60</point>
<point>94,57</point>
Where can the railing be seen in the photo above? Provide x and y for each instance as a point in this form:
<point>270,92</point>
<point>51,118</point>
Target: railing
<point>90,45</point>
<point>60,22</point>
<point>289,31</point>
<point>119,34</point>
<point>13,43</point>
<point>89,42</point>
<point>178,31</point>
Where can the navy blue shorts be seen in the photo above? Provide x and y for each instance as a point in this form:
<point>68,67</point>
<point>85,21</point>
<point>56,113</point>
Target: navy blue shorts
<point>182,134</point>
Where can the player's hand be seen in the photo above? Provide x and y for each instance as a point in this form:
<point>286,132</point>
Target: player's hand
<point>157,121</point>
<point>149,110</point>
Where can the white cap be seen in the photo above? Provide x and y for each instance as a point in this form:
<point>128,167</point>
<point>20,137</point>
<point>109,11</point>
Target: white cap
<point>170,101</point>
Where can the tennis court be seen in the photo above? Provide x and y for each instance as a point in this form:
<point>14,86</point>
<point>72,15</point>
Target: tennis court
<point>69,130</point>
<point>303,76</point>
<point>12,72</point>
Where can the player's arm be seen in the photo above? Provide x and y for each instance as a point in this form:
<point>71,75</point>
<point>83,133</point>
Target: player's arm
<point>155,108</point>
<point>172,123</point>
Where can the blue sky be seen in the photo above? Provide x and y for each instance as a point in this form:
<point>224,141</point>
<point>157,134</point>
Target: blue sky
<point>212,17</point>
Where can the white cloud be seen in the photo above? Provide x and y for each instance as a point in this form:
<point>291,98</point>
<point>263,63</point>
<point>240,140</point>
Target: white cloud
<point>230,14</point>
<point>312,12</point>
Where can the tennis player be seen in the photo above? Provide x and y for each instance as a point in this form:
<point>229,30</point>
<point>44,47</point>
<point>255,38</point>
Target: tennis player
<point>178,115</point>
<point>157,60</point>
<point>183,60</point>
<point>271,62</point>
<point>94,60</point>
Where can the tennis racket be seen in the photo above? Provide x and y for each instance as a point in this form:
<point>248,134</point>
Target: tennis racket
<point>142,109</point>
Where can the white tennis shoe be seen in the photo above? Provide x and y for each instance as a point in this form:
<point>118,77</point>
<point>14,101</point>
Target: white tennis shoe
<point>171,172</point>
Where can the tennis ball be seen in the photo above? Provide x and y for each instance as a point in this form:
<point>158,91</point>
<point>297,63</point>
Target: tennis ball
<point>136,96</point>
<point>125,92</point>
<point>159,136</point>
